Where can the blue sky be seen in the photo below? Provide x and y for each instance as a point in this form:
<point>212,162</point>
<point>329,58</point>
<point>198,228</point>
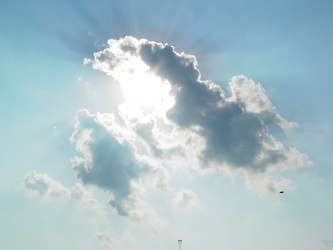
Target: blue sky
<point>132,124</point>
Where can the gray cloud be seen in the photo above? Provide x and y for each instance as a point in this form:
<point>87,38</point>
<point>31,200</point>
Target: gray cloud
<point>328,243</point>
<point>108,159</point>
<point>235,128</point>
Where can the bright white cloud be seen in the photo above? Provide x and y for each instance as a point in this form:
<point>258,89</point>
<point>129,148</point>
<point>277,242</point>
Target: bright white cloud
<point>251,96</point>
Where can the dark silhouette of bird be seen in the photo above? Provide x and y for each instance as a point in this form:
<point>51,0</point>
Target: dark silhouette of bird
<point>281,192</point>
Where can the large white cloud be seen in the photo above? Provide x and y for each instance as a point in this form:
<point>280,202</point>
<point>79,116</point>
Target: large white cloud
<point>234,129</point>
<point>190,123</point>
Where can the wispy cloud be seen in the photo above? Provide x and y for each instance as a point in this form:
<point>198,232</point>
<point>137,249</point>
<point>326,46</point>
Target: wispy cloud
<point>328,243</point>
<point>105,239</point>
<point>41,185</point>
<point>186,198</point>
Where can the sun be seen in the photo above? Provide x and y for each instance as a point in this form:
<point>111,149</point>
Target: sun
<point>142,88</point>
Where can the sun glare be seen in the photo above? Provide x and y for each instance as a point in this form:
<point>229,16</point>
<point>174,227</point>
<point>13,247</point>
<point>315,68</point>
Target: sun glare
<point>142,88</point>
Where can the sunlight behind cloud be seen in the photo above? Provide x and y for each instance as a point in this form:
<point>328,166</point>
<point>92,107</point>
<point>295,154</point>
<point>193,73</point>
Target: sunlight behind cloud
<point>142,88</point>
<point>234,129</point>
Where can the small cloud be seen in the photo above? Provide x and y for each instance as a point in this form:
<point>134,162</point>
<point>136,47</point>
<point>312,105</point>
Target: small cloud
<point>56,132</point>
<point>328,243</point>
<point>105,239</point>
<point>143,212</point>
<point>41,184</point>
<point>266,183</point>
<point>86,61</point>
<point>186,199</point>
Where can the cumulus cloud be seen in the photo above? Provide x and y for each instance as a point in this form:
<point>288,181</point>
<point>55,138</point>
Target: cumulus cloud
<point>234,128</point>
<point>171,118</point>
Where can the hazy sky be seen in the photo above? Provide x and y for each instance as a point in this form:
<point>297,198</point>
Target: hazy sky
<point>132,124</point>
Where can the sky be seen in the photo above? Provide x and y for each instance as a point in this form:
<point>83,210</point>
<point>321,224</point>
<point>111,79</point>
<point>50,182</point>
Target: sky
<point>133,124</point>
